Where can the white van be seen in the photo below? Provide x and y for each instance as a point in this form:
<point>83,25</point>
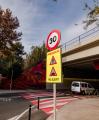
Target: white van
<point>82,87</point>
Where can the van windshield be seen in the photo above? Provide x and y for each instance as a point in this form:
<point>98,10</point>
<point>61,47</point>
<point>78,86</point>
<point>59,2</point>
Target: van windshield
<point>75,84</point>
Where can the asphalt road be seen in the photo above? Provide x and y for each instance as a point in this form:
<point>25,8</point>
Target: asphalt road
<point>11,106</point>
<point>16,102</point>
<point>13,103</point>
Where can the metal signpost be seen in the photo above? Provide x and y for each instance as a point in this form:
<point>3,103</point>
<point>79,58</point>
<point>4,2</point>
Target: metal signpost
<point>53,63</point>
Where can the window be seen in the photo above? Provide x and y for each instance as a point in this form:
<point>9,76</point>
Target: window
<point>75,84</point>
<point>82,85</point>
<point>89,86</point>
<point>86,85</point>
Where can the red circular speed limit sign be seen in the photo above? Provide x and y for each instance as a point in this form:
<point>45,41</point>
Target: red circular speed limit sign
<point>53,39</point>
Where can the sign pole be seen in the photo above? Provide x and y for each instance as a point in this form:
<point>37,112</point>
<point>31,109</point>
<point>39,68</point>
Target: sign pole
<point>53,74</point>
<point>54,100</point>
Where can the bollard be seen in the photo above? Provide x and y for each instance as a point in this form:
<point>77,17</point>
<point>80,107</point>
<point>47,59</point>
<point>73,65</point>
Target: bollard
<point>38,102</point>
<point>29,112</point>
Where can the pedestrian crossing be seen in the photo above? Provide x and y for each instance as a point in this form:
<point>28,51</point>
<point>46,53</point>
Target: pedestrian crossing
<point>39,94</point>
<point>45,103</point>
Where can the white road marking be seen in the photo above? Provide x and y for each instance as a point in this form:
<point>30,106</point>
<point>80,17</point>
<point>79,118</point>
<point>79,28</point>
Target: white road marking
<point>14,118</point>
<point>51,105</point>
<point>19,116</point>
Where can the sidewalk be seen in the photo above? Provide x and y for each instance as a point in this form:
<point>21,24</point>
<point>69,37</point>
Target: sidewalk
<point>82,109</point>
<point>36,115</point>
<point>18,91</point>
<point>11,91</point>
<point>2,92</point>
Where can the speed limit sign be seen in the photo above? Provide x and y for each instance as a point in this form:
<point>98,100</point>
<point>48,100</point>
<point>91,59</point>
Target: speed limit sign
<point>53,39</point>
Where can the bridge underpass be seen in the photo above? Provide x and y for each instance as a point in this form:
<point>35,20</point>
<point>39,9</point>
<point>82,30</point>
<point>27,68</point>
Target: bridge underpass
<point>80,58</point>
<point>86,68</point>
<point>82,71</point>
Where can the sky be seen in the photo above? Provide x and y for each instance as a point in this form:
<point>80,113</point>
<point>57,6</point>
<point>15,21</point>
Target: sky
<point>38,18</point>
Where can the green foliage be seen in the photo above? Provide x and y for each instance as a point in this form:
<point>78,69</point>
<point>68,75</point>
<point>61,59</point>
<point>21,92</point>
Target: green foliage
<point>11,49</point>
<point>37,55</point>
<point>8,33</point>
<point>16,69</point>
<point>93,14</point>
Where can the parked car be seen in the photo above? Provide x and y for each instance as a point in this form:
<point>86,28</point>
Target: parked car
<point>82,88</point>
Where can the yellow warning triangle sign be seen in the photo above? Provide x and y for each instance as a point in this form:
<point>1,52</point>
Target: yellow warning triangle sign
<point>53,72</point>
<point>53,61</point>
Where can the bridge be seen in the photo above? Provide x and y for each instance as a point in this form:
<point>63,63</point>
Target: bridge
<point>85,46</point>
<point>80,57</point>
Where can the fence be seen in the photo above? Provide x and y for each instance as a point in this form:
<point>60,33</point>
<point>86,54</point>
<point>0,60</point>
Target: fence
<point>81,38</point>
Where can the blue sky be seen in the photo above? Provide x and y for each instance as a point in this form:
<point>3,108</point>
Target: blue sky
<point>38,17</point>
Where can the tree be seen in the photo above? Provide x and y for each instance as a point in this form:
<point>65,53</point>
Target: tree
<point>37,55</point>
<point>11,49</point>
<point>18,52</point>
<point>93,13</point>
<point>15,60</point>
<point>8,31</point>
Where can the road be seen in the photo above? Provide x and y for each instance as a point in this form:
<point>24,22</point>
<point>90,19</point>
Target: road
<point>13,105</point>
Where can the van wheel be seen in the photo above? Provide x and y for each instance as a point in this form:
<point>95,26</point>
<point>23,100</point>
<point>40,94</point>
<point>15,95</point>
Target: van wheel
<point>89,93</point>
<point>83,92</point>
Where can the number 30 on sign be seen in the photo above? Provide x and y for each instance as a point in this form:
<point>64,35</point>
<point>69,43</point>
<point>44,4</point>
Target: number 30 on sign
<point>53,39</point>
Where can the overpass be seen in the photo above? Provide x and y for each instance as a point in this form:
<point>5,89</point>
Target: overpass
<point>85,46</point>
<point>80,57</point>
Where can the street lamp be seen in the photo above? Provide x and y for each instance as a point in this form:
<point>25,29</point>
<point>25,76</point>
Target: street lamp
<point>11,83</point>
<point>11,79</point>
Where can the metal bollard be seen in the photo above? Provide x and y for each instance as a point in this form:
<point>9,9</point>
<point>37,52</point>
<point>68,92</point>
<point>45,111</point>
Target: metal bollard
<point>29,112</point>
<point>38,102</point>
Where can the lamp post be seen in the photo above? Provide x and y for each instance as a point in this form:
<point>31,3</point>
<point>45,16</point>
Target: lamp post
<point>11,83</point>
<point>11,79</point>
